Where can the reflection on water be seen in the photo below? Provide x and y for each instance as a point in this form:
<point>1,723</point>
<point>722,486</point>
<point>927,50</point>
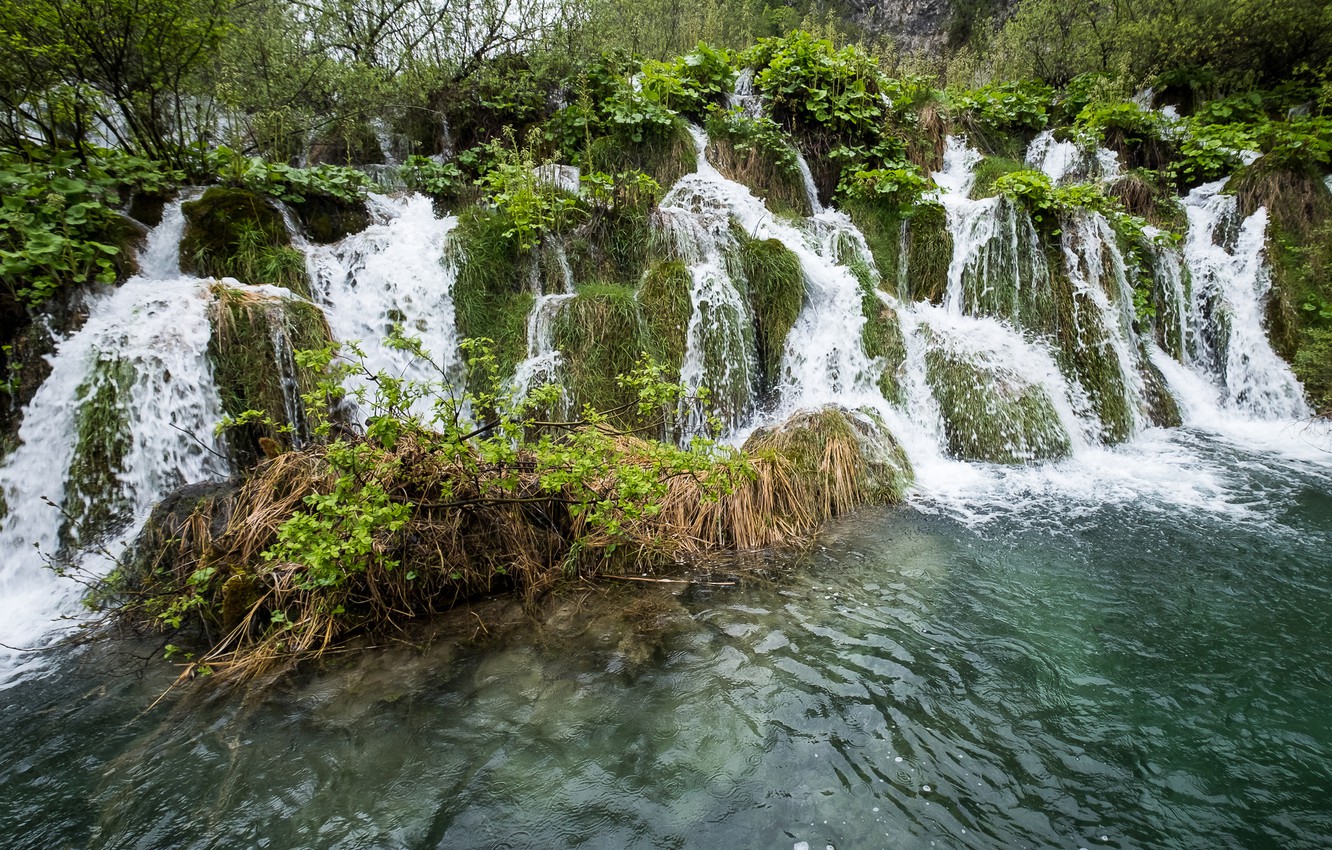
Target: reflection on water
<point>1057,674</point>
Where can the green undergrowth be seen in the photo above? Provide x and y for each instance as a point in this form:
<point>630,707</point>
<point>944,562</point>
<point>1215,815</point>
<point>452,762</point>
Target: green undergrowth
<point>255,367</point>
<point>666,157</point>
<point>775,285</point>
<point>990,414</point>
<point>756,153</point>
<point>238,233</point>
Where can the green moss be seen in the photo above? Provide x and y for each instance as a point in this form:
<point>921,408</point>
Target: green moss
<point>992,415</point>
<point>95,501</point>
<point>666,159</point>
<point>1086,355</point>
<point>1299,307</point>
<point>491,293</point>
<point>663,296</point>
<point>990,169</point>
<point>775,285</point>
<point>251,348</point>
<point>601,335</point>
<point>237,233</point>
<point>912,248</point>
<point>1162,409</point>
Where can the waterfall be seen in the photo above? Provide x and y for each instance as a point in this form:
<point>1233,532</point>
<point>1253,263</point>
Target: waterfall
<point>1068,161</point>
<point>1225,259</point>
<point>395,273</point>
<point>126,415</point>
<point>542,364</point>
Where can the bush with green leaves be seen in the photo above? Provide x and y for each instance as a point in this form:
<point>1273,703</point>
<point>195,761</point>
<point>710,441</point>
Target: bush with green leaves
<point>815,88</point>
<point>56,226</point>
<point>431,176</point>
<point>1003,109</point>
<point>532,205</point>
<point>690,84</point>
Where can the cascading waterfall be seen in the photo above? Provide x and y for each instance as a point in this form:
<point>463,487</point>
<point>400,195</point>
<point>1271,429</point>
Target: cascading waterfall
<point>396,273</point>
<point>126,416</point>
<point>543,361</point>
<point>129,409</point>
<point>824,360</point>
<point>1230,280</point>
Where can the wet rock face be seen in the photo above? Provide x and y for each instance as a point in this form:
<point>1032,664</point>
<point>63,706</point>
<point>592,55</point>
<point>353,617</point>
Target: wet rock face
<point>929,25</point>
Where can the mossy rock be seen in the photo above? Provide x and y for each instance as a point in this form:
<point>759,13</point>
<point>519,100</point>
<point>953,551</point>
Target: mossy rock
<point>989,170</point>
<point>27,340</point>
<point>238,233</point>
<point>775,286</point>
<point>1162,409</point>
<point>95,502</point>
<point>665,158</point>
<point>664,298</point>
<point>912,248</point>
<point>990,413</point>
<point>601,335</point>
<point>782,189</point>
<point>254,337</point>
<point>492,290</point>
<point>327,219</point>
<point>882,337</point>
<point>162,542</point>
<point>840,458</point>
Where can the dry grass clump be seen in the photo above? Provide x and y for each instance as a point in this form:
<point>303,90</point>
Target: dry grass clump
<point>1296,199</point>
<point>474,528</point>
<point>814,466</point>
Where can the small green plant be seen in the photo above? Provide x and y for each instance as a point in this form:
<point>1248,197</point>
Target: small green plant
<point>432,177</point>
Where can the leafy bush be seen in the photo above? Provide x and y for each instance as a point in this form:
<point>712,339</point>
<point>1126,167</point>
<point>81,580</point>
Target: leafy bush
<point>1003,108</point>
<point>902,186</point>
<point>691,83</point>
<point>56,226</point>
<point>432,177</point>
<point>814,87</point>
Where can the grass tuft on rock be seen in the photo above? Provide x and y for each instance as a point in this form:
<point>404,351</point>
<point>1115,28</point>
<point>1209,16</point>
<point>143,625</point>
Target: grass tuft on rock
<point>238,233</point>
<point>254,337</point>
<point>663,296</point>
<point>990,169</point>
<point>492,290</point>
<point>775,285</point>
<point>601,335</point>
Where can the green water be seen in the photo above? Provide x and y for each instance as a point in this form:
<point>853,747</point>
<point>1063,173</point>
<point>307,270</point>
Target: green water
<point>1098,673</point>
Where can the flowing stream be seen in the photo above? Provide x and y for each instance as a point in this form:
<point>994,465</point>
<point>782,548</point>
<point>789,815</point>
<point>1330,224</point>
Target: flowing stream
<point>1117,640</point>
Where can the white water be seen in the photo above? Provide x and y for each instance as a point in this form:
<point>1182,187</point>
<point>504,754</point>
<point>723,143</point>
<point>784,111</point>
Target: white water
<point>395,273</point>
<point>159,328</point>
<point>1231,281</point>
<point>1069,162</point>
